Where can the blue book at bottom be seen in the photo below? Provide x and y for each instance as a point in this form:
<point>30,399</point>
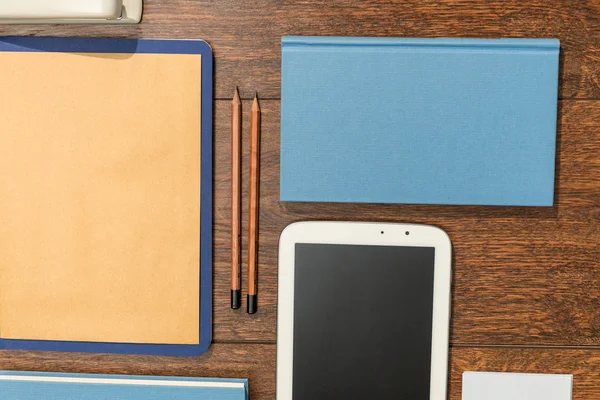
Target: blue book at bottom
<point>54,386</point>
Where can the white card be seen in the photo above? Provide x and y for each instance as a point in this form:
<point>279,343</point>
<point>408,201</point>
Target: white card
<point>513,386</point>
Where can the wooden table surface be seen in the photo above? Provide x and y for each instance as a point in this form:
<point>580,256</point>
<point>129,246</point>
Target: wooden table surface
<point>526,294</point>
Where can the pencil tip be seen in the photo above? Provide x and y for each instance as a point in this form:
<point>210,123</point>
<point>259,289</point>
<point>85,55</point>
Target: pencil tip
<point>255,106</point>
<point>236,95</point>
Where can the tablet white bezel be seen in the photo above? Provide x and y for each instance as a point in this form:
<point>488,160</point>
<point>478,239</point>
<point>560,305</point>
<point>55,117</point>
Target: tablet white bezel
<point>361,233</point>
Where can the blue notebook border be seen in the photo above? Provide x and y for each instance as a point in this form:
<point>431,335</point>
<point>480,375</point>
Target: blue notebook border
<point>146,46</point>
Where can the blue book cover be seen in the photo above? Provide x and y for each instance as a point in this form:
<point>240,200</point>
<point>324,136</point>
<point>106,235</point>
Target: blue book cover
<point>424,121</point>
<point>49,386</point>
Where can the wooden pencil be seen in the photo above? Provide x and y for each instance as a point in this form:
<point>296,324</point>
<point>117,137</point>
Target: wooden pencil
<point>236,209</point>
<point>253,206</point>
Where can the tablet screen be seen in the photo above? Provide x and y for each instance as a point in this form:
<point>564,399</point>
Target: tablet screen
<point>362,321</point>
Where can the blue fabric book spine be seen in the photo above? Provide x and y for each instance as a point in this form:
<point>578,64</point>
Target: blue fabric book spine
<point>55,386</point>
<point>425,121</point>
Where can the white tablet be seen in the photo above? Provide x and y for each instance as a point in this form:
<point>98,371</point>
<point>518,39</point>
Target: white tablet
<point>363,311</point>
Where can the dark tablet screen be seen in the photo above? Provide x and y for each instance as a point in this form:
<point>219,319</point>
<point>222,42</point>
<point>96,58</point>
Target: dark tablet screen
<point>362,322</point>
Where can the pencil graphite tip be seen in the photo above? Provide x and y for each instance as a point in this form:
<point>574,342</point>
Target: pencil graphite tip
<point>236,96</point>
<point>255,106</point>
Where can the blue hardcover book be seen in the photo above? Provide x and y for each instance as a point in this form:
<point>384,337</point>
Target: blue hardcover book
<point>49,386</point>
<point>426,121</point>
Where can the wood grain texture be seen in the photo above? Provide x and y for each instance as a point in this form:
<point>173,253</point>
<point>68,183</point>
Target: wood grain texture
<point>236,325</point>
<point>526,276</point>
<point>523,277</point>
<point>255,362</point>
<point>246,36</point>
<point>583,364</point>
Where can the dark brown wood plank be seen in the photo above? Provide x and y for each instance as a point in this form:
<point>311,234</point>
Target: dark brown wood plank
<point>246,35</point>
<point>255,362</point>
<point>583,364</point>
<point>521,275</point>
<point>236,325</point>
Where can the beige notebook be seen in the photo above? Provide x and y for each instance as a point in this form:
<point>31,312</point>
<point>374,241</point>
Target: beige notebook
<point>100,197</point>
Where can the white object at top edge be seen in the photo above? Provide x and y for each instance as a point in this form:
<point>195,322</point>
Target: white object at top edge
<point>70,11</point>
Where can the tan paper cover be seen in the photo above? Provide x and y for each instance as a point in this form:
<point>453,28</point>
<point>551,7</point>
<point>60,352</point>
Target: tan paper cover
<point>100,197</point>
